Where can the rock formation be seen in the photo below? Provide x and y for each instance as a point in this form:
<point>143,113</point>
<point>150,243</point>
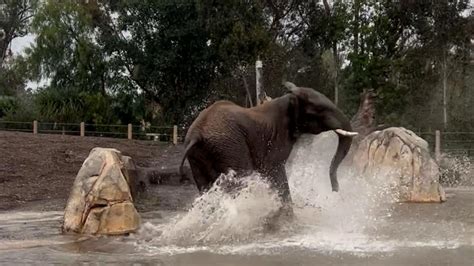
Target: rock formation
<point>101,200</point>
<point>399,155</point>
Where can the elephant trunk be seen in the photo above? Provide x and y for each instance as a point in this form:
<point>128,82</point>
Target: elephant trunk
<point>345,135</point>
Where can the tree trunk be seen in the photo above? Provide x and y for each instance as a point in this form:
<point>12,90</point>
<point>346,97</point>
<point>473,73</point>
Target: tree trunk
<point>336,58</point>
<point>363,121</point>
<point>445,85</point>
<point>356,26</point>
<point>336,74</point>
<point>248,98</point>
<point>5,45</point>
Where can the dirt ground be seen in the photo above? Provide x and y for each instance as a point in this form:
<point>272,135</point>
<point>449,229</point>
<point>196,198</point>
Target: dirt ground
<point>37,171</point>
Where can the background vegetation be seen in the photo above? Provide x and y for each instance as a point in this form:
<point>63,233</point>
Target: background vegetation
<point>162,61</point>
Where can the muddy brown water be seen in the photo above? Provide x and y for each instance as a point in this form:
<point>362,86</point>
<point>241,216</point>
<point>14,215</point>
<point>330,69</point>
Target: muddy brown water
<point>414,234</point>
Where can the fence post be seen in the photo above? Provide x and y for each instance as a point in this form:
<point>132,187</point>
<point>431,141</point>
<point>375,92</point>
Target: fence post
<point>437,145</point>
<point>83,129</point>
<point>175,134</point>
<point>35,127</point>
<point>129,131</point>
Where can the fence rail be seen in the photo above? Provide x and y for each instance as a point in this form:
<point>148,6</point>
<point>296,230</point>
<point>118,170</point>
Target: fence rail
<point>455,143</point>
<point>155,133</point>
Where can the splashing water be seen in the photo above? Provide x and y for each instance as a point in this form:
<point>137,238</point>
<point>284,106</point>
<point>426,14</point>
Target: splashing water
<point>359,203</point>
<point>228,222</point>
<point>358,225</point>
<point>224,216</point>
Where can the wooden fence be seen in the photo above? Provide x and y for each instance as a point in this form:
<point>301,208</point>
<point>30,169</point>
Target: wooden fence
<point>457,143</point>
<point>129,131</point>
<point>454,143</point>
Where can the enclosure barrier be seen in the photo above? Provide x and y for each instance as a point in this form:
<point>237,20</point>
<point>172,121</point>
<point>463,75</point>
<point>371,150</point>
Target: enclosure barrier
<point>437,145</point>
<point>129,131</point>
<point>455,143</point>
<point>83,129</point>
<point>35,127</point>
<point>446,142</point>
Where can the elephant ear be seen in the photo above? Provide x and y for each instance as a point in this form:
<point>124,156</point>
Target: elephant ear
<point>293,115</point>
<point>289,86</point>
<point>301,93</point>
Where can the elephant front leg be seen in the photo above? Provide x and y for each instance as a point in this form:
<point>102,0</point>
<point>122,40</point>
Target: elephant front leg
<point>279,182</point>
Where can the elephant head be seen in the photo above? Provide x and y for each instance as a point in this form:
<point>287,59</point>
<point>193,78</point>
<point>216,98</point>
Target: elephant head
<point>314,113</point>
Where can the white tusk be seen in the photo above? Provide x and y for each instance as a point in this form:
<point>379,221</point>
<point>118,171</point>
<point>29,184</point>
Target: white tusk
<point>345,133</point>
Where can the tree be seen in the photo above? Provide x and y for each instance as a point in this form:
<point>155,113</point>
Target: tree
<point>82,81</point>
<point>12,85</point>
<point>14,20</point>
<point>428,63</point>
<point>190,46</point>
<point>323,38</point>
<point>164,61</point>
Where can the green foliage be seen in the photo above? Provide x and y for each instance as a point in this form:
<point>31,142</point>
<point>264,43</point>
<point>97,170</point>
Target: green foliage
<point>65,51</point>
<point>13,97</point>
<point>7,105</point>
<point>60,105</point>
<point>190,45</point>
<point>11,80</point>
<point>20,108</point>
<point>83,81</point>
<point>163,61</point>
<point>398,50</point>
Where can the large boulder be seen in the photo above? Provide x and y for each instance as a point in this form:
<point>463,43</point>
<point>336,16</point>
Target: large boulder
<point>101,201</point>
<point>398,155</point>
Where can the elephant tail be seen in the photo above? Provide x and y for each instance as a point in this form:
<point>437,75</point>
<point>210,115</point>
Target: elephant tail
<point>191,143</point>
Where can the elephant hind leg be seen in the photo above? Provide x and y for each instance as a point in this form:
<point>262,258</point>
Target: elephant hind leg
<point>203,173</point>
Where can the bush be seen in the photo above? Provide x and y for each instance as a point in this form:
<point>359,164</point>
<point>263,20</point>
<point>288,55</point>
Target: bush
<point>19,109</point>
<point>7,105</point>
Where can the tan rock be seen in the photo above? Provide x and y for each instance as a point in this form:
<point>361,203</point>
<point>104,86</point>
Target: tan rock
<point>398,155</point>
<point>101,201</point>
<point>115,219</point>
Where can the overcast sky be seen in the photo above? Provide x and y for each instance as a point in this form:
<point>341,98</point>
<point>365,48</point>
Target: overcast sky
<point>19,44</point>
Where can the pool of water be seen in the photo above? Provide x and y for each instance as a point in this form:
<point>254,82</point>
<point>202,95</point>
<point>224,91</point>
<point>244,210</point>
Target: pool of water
<point>361,225</point>
<point>416,234</point>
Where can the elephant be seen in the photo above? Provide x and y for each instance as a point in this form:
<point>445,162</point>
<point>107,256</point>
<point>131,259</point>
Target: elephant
<point>227,136</point>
